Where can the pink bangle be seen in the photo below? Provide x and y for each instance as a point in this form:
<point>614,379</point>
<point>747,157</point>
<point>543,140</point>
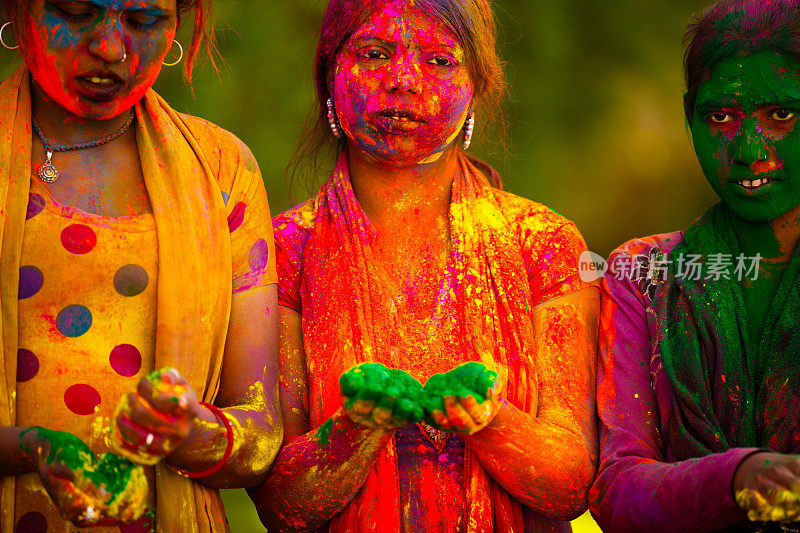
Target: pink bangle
<point>225,456</point>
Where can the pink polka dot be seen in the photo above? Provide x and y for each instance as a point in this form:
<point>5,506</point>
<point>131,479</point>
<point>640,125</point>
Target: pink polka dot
<point>32,522</point>
<point>236,217</point>
<point>82,399</point>
<point>126,360</point>
<point>27,365</point>
<point>259,256</point>
<point>78,239</point>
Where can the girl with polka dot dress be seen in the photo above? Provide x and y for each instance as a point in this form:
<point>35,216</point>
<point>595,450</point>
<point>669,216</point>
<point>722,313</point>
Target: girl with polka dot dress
<point>138,366</point>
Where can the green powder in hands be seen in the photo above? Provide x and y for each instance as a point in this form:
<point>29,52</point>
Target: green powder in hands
<point>389,388</point>
<point>470,379</point>
<point>113,487</point>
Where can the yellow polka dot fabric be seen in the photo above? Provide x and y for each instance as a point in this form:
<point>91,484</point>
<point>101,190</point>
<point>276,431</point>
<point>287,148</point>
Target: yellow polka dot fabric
<point>87,315</point>
<point>214,237</point>
<point>87,302</point>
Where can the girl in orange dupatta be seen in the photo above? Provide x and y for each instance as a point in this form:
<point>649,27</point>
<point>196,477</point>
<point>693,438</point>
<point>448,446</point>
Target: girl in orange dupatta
<point>147,249</point>
<point>410,257</point>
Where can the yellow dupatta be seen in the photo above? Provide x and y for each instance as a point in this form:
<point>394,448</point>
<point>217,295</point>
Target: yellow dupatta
<point>193,244</point>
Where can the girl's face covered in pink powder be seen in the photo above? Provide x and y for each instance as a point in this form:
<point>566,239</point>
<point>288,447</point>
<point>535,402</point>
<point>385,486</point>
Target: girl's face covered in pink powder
<point>400,87</point>
<point>97,58</point>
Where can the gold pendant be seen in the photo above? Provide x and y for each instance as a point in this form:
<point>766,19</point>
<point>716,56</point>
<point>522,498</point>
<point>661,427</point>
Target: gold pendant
<point>47,172</point>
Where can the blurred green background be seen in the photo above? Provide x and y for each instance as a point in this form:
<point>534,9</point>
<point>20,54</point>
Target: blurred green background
<point>596,127</point>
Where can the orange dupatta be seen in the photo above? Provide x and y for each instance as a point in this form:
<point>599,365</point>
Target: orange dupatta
<point>193,244</point>
<point>491,296</point>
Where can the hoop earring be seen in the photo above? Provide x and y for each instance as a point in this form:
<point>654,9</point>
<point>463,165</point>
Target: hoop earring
<point>179,57</point>
<point>332,120</point>
<point>2,29</point>
<point>470,127</point>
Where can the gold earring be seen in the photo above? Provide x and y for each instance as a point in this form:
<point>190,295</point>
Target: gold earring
<point>179,57</point>
<point>2,29</point>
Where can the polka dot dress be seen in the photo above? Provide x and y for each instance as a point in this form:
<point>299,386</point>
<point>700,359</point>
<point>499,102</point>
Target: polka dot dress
<point>87,300</point>
<point>87,313</point>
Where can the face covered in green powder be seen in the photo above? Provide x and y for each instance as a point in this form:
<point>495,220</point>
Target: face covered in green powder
<point>743,130</point>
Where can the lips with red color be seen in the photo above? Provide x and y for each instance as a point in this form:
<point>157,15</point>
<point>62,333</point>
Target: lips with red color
<point>107,89</point>
<point>398,121</point>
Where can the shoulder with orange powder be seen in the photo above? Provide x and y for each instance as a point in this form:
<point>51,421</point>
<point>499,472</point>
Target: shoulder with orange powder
<point>544,235</point>
<point>298,218</point>
<point>292,229</point>
<point>534,221</point>
<point>225,153</point>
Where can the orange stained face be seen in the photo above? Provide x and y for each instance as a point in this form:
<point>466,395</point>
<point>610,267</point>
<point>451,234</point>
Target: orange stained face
<point>401,88</point>
<point>97,58</point>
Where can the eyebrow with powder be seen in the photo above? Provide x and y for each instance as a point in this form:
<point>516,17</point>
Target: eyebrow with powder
<point>790,102</point>
<point>711,103</point>
<point>361,38</point>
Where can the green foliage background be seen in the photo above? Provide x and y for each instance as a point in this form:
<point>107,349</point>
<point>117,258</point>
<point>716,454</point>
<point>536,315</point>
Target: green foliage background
<point>596,127</point>
<point>596,123</point>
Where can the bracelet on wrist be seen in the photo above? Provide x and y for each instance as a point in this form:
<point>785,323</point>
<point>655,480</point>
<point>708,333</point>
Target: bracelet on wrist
<point>225,456</point>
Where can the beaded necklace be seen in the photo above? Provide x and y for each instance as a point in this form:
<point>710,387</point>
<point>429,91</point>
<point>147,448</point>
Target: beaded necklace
<point>48,173</point>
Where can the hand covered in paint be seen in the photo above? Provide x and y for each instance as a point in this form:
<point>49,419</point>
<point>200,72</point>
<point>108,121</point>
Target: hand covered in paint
<point>155,419</point>
<point>375,396</point>
<point>463,400</point>
<point>88,491</point>
<point>767,486</point>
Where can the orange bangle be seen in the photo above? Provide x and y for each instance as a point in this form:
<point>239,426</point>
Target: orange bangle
<point>225,456</point>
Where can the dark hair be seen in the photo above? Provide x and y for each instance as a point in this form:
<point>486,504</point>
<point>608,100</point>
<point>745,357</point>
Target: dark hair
<point>471,21</point>
<point>734,27</point>
<point>202,35</point>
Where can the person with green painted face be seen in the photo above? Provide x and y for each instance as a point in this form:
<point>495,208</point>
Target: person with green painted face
<point>698,380</point>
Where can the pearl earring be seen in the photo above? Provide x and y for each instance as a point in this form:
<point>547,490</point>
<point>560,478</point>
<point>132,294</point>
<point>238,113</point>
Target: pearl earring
<point>332,120</point>
<point>470,127</point>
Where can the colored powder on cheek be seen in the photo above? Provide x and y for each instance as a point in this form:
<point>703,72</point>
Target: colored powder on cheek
<point>147,52</point>
<point>100,428</point>
<point>61,36</point>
